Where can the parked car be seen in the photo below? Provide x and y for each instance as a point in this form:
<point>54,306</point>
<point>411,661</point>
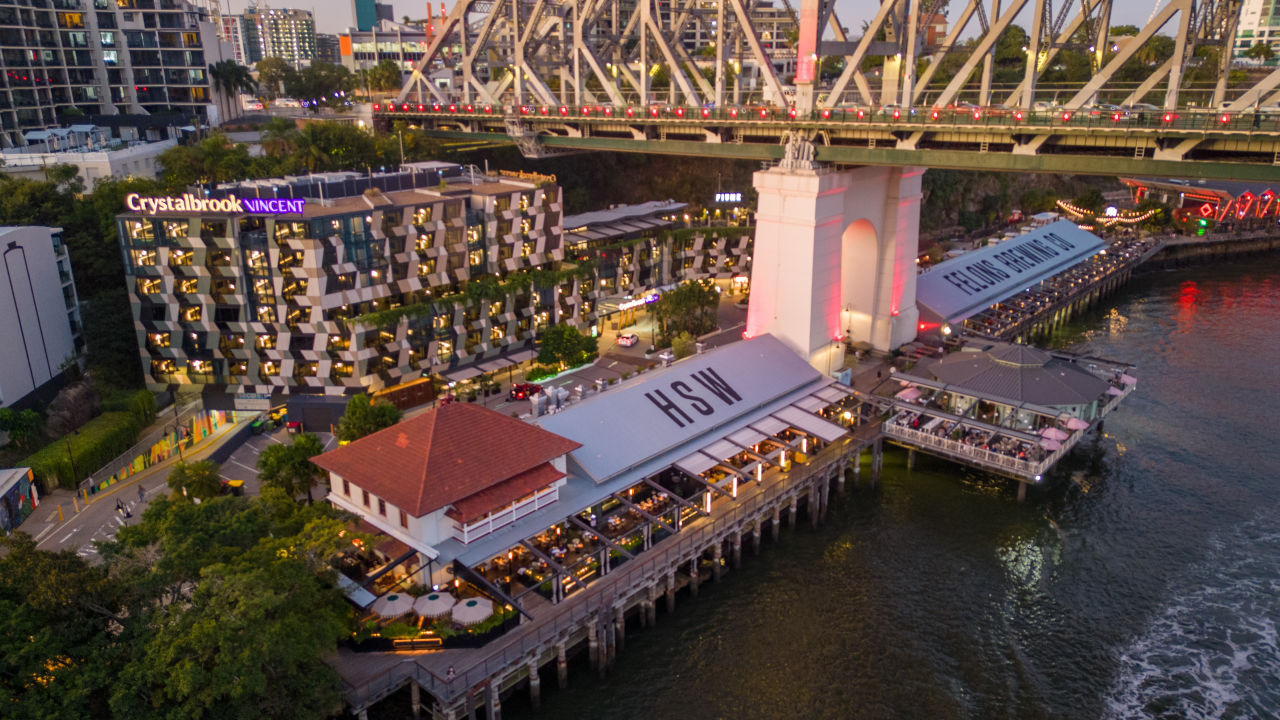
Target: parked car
<point>523,391</point>
<point>628,339</point>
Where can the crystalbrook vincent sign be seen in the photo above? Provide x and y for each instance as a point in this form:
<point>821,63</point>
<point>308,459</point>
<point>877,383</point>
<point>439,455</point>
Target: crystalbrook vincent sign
<point>197,205</point>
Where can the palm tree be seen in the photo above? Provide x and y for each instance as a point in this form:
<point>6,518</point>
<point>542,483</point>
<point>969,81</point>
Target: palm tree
<point>229,79</point>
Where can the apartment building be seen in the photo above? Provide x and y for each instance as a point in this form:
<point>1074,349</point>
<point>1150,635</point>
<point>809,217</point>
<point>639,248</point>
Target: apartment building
<point>39,311</point>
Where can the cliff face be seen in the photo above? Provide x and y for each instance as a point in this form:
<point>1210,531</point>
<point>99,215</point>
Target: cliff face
<point>957,202</point>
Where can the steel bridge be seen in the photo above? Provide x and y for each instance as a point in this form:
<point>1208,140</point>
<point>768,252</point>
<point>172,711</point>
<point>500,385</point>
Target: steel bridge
<point>572,75</point>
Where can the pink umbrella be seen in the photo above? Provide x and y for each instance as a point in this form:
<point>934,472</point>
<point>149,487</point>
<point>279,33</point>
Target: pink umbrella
<point>1114,391</point>
<point>1128,379</point>
<point>1076,423</point>
<point>1053,433</point>
<point>1048,444</point>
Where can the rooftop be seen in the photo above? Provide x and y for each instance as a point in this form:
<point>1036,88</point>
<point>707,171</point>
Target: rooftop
<point>444,456</point>
<point>1018,374</point>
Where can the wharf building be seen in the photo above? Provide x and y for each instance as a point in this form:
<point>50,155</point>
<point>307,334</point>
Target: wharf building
<point>100,58</point>
<point>383,279</point>
<point>39,314</point>
<point>568,531</point>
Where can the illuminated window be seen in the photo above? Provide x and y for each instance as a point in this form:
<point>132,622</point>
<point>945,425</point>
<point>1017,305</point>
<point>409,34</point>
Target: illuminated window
<point>158,340</point>
<point>143,257</point>
<point>270,368</point>
<point>526,225</point>
<point>140,230</point>
<point>178,256</point>
<point>342,370</point>
<point>444,352</point>
<point>426,267</point>
<point>526,249</point>
<point>440,322</point>
<point>524,202</point>
<point>476,257</point>
<point>175,229</point>
<point>198,367</point>
<point>238,369</point>
<point>265,341</point>
<point>473,233</point>
<point>149,286</point>
<point>188,286</point>
<point>163,367</point>
<point>190,313</point>
<point>496,333</point>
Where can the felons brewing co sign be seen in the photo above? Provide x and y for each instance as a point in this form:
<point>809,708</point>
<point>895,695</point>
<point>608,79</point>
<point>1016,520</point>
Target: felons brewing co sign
<point>198,205</point>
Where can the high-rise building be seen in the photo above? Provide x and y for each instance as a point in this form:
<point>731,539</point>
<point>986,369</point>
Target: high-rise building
<point>233,31</point>
<point>286,33</point>
<point>39,311</point>
<point>60,59</point>
<point>367,13</point>
<point>327,49</point>
<point>1259,23</point>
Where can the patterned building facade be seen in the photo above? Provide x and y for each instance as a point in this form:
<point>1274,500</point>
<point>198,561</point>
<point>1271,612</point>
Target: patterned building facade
<point>381,279</point>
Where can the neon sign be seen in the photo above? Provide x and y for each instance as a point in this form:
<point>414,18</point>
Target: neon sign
<point>230,204</point>
<point>637,302</point>
<point>724,197</point>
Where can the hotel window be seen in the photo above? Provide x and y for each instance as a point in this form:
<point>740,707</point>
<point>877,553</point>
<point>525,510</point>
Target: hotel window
<point>496,333</point>
<point>143,257</point>
<point>444,352</point>
<point>526,225</point>
<point>524,202</point>
<point>141,230</point>
<point>426,267</point>
<point>163,367</point>
<point>346,487</point>
<point>440,322</point>
<point>270,368</point>
<point>210,229</point>
<point>219,259</point>
<point>526,249</point>
<point>422,215</point>
<point>238,369</point>
<point>364,497</point>
<point>265,341</point>
<point>188,286</point>
<point>341,370</point>
<point>148,286</point>
<point>157,340</point>
<point>175,229</point>
<point>473,233</point>
<point>404,519</point>
<point>382,507</point>
<point>476,257</point>
<point>178,256</point>
<point>190,313</point>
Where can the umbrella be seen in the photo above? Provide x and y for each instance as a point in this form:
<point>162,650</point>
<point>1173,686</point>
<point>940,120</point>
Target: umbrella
<point>1053,433</point>
<point>1048,444</point>
<point>393,604</point>
<point>1076,423</point>
<point>472,611</point>
<point>1128,379</point>
<point>434,605</point>
<point>1113,390</point>
<point>909,394</point>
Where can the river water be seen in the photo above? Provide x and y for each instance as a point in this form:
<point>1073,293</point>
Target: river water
<point>1144,583</point>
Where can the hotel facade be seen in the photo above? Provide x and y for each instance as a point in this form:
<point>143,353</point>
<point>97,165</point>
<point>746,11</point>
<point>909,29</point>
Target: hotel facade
<point>342,282</point>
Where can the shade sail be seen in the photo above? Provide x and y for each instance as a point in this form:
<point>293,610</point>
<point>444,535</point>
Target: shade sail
<point>721,450</point>
<point>465,373</point>
<point>909,394</point>
<point>811,403</point>
<point>746,437</point>
<point>769,425</point>
<point>696,464</point>
<point>835,392</point>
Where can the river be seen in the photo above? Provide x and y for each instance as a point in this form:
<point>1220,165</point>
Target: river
<point>1144,583</point>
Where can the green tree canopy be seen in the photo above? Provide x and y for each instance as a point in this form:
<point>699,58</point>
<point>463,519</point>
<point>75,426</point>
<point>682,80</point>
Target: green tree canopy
<point>273,74</point>
<point>289,467</point>
<point>199,479</point>
<point>386,76</point>
<point>320,85</point>
<point>364,416</point>
<point>564,346</point>
<point>23,426</point>
<point>690,308</point>
<point>1260,51</point>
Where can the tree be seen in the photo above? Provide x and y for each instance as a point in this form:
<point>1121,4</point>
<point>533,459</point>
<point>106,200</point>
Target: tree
<point>563,345</point>
<point>386,76</point>
<point>1260,51</point>
<point>273,74</point>
<point>364,417</point>
<point>212,160</point>
<point>690,308</point>
<point>683,345</point>
<point>230,78</point>
<point>199,479</point>
<point>320,85</point>
<point>23,426</point>
<point>289,467</point>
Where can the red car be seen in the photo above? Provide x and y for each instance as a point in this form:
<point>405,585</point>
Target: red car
<point>523,391</point>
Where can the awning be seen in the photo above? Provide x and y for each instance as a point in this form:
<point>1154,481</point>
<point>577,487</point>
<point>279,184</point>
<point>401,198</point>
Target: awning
<point>696,464</point>
<point>521,356</point>
<point>465,373</point>
<point>834,392</point>
<point>811,403</point>
<point>769,425</point>
<point>494,364</point>
<point>746,437</point>
<point>721,450</point>
<point>810,423</point>
<point>909,394</point>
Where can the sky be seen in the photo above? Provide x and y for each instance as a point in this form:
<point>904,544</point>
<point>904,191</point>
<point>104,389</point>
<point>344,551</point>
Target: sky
<point>334,16</point>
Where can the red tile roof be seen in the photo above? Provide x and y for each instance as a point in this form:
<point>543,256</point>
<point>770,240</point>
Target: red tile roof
<point>442,456</point>
<point>476,506</point>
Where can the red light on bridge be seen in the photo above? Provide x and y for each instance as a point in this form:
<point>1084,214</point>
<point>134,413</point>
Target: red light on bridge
<point>764,112</point>
<point>934,115</point>
<point>435,107</point>
<point>679,112</point>
<point>1066,117</point>
<point>543,109</point>
<point>564,110</point>
<point>586,111</point>
<point>1018,116</point>
<point>977,114</point>
<point>391,108</point>
<point>1168,117</point>
<point>653,112</point>
<point>861,114</point>
<point>792,113</point>
<point>453,108</point>
<point>405,107</point>
<point>608,112</point>
<point>897,113</point>
<point>706,113</point>
<point>1224,119</point>
<point>826,113</point>
<point>630,112</point>
<point>524,109</point>
<point>1115,116</point>
<point>733,113</point>
<point>377,107</point>
<point>488,108</point>
<point>471,109</point>
<point>422,108</point>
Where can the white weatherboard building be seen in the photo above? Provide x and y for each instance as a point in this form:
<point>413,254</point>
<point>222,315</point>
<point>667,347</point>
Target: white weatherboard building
<point>39,311</point>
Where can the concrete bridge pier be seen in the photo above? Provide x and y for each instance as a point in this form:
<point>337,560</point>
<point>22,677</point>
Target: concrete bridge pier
<point>535,685</point>
<point>911,458</point>
<point>717,560</point>
<point>695,575</point>
<point>795,507</point>
<point>620,622</point>
<point>562,666</point>
<point>415,699</point>
<point>495,701</point>
<point>736,552</point>
<point>756,532</point>
<point>834,256</point>
<point>877,460</point>
<point>774,530</point>
<point>671,593</point>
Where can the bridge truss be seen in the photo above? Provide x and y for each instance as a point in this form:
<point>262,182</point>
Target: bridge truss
<point>621,74</point>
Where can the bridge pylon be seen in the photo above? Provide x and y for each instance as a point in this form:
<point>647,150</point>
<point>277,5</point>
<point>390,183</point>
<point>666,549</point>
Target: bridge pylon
<point>834,256</point>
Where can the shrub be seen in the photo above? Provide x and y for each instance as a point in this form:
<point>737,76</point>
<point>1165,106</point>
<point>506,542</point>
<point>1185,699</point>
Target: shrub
<point>538,372</point>
<point>399,629</point>
<point>95,444</point>
<point>683,345</point>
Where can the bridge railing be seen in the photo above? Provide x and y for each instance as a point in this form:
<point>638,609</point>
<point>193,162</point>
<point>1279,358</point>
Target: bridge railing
<point>924,117</point>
